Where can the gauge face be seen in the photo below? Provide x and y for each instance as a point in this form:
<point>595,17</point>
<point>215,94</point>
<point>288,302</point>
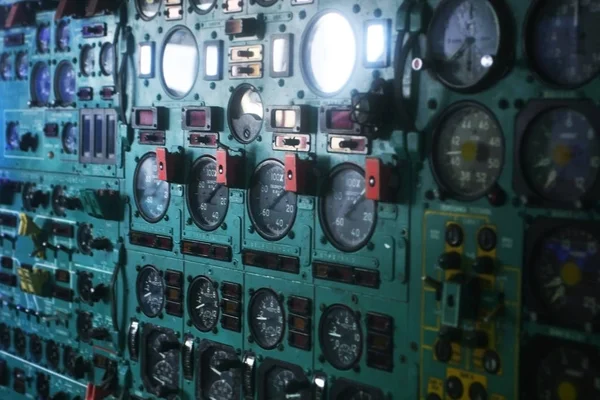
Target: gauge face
<point>22,66</point>
<point>148,9</point>
<point>87,61</point>
<point>161,362</point>
<point>5,67</point>
<point>43,39</point>
<point>561,155</point>
<point>464,40</point>
<point>180,61</point>
<point>245,113</point>
<point>340,336</point>
<point>566,274</point>
<point>69,138</point>
<point>468,153</point>
<point>220,390</point>
<point>203,6</point>
<point>567,373</point>
<point>347,217</point>
<point>40,83</point>
<point>217,382</point>
<point>85,285</point>
<point>561,42</point>
<point>84,238</point>
<point>152,195</point>
<point>63,36</point>
<point>266,3</point>
<point>13,140</point>
<point>150,291</point>
<point>329,53</point>
<point>4,336</point>
<point>272,208</point>
<point>64,83</point>
<point>207,200</point>
<point>203,303</point>
<point>267,320</point>
<point>278,380</point>
<point>107,58</point>
<point>52,354</point>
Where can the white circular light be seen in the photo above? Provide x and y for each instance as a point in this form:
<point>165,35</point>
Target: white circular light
<point>329,53</point>
<point>180,61</point>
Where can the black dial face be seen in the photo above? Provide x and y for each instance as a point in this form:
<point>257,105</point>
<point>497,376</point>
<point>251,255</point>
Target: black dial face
<point>267,319</point>
<point>219,380</point>
<point>203,303</point>
<point>69,138</point>
<point>468,153</point>
<point>150,291</point>
<point>347,217</point>
<point>340,336</point>
<point>84,238</point>
<point>86,60</point>
<point>22,66</point>
<point>85,286</point>
<point>35,347</point>
<point>279,385</point>
<point>561,155</point>
<point>203,6</point>
<point>148,9</point>
<point>566,275</point>
<point>4,336</point>
<point>245,113</point>
<point>152,195</point>
<point>272,209</point>
<point>107,58</point>
<point>63,36</point>
<point>567,373</point>
<point>13,139</point>
<point>43,39</point>
<point>464,42</point>
<point>161,362</point>
<point>207,200</point>
<point>561,41</point>
<point>220,390</point>
<point>5,67</point>
<point>40,83</point>
<point>20,341</point>
<point>64,83</point>
<point>52,354</point>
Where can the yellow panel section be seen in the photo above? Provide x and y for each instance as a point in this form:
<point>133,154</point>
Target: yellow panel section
<point>467,379</point>
<point>435,385</point>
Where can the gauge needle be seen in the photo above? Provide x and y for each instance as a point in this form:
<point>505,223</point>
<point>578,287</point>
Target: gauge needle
<point>277,199</point>
<point>551,178</point>
<point>554,283</point>
<point>213,192</point>
<point>354,203</point>
<point>216,371</point>
<point>454,153</point>
<point>560,292</point>
<point>148,294</point>
<point>466,44</point>
<point>262,318</point>
<point>161,382</point>
<point>335,334</point>
<point>200,306</point>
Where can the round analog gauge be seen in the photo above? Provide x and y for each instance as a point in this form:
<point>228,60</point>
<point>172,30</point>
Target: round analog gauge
<point>272,209</point>
<point>464,42</point>
<point>84,238</point>
<point>85,286</point>
<point>207,200</point>
<point>203,303</point>
<point>161,363</point>
<point>63,36</point>
<point>64,83</point>
<point>20,341</point>
<point>180,62</point>
<point>22,66</point>
<point>566,275</point>
<point>220,390</point>
<point>13,139</point>
<point>567,373</point>
<point>266,3</point>
<point>468,151</point>
<point>52,354</point>
<point>148,9</point>
<point>217,381</point>
<point>561,42</point>
<point>203,6</point>
<point>267,320</point>
<point>277,385</point>
<point>329,52</point>
<point>347,217</point>
<point>4,336</point>
<point>150,291</point>
<point>43,38</point>
<point>245,113</point>
<point>86,60</point>
<point>164,373</point>
<point>107,58</point>
<point>561,155</point>
<point>40,83</point>
<point>69,138</point>
<point>341,336</point>
<point>152,195</point>
<point>5,67</point>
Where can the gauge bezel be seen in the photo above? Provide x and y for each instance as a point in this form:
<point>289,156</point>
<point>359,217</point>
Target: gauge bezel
<point>524,120</point>
<point>59,27</point>
<point>135,196</point>
<point>5,59</point>
<point>251,215</point>
<point>103,49</point>
<point>191,302</point>
<point>85,50</point>
<point>253,299</point>
<point>56,83</point>
<point>188,199</point>
<point>163,46</point>
<point>268,365</point>
<point>38,42</point>
<point>235,96</point>
<point>138,286</point>
<point>304,48</point>
<point>503,62</point>
<point>63,138</point>
<point>322,341</point>
<point>143,16</point>
<point>197,9</point>
<point>266,3</point>
<point>34,74</point>
<point>438,129</point>
<point>322,210</point>
<point>528,26</point>
<point>22,55</point>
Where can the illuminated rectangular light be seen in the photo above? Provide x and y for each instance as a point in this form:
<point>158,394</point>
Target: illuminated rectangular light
<point>146,60</point>
<point>340,120</point>
<point>377,43</point>
<point>285,119</point>
<point>213,66</point>
<point>281,55</point>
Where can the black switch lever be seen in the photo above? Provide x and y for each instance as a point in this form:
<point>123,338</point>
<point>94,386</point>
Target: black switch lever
<point>99,334</point>
<point>228,365</point>
<point>102,243</point>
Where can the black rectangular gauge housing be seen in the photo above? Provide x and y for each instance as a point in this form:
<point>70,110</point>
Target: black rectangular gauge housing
<point>338,119</point>
<point>149,118</point>
<point>282,55</point>
<point>204,119</point>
